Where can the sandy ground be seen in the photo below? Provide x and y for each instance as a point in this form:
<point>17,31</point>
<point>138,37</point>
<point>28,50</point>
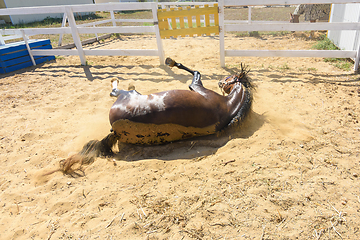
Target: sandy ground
<point>290,172</point>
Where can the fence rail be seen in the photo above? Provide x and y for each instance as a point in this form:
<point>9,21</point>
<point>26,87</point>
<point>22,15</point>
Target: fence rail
<point>276,26</point>
<point>75,30</point>
<point>225,26</point>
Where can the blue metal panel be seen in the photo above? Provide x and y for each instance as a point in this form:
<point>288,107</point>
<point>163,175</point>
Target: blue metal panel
<point>14,56</point>
<point>26,64</point>
<point>18,46</point>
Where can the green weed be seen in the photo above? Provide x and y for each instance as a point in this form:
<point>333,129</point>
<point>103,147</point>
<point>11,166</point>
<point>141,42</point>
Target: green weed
<point>340,63</point>
<point>284,67</point>
<point>326,44</point>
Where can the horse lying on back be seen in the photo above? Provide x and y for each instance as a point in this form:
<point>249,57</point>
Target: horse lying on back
<point>176,114</point>
<point>169,116</point>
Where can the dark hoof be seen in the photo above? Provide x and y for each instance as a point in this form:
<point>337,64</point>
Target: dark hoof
<point>115,93</point>
<point>170,62</point>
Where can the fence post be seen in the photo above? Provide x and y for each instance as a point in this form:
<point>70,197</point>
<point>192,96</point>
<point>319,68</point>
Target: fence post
<point>249,14</point>
<point>154,9</point>
<point>62,25</point>
<point>113,18</point>
<point>96,35</point>
<point>2,41</point>
<point>222,33</point>
<point>356,62</point>
<point>28,47</point>
<point>75,34</point>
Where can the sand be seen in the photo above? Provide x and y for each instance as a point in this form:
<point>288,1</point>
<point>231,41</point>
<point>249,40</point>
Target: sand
<point>290,172</point>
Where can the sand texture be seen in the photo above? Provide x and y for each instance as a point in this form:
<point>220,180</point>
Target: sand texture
<point>290,172</point>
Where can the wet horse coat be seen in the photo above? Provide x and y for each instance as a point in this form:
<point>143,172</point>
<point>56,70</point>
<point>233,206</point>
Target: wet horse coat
<point>176,114</point>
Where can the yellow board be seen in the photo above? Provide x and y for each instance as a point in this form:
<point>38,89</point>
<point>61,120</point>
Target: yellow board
<point>194,27</point>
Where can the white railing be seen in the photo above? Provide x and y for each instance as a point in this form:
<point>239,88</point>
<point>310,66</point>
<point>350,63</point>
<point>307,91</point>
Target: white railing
<point>180,4</point>
<point>281,26</point>
<point>75,30</point>
<point>3,39</point>
<point>225,26</point>
<point>112,20</point>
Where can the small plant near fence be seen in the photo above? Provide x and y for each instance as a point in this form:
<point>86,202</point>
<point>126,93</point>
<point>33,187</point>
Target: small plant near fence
<point>325,43</point>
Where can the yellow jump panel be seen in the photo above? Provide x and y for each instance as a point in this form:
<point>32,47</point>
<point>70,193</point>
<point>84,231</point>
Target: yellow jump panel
<point>179,22</point>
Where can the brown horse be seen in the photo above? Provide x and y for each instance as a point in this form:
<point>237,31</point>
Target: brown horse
<point>176,114</point>
<point>173,115</point>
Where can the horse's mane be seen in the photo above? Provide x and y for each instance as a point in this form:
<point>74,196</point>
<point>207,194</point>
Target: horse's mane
<point>243,76</point>
<point>245,109</point>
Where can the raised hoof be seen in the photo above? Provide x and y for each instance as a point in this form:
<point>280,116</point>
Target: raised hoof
<point>115,93</point>
<point>170,62</point>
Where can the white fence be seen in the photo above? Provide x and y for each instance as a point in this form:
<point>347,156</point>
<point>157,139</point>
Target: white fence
<point>225,26</point>
<point>3,39</point>
<point>75,30</point>
<point>345,39</point>
<point>276,26</point>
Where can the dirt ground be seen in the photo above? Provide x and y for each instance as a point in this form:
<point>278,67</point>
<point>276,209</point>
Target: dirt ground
<point>290,172</point>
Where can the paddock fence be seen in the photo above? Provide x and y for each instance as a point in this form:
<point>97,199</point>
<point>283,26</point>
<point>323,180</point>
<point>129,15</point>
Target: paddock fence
<point>75,30</point>
<point>225,26</point>
<point>234,26</point>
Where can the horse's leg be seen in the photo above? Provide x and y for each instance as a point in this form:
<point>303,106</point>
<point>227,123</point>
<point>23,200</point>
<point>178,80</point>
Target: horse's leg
<point>115,91</point>
<point>172,63</point>
<point>294,18</point>
<point>196,83</point>
<point>312,32</point>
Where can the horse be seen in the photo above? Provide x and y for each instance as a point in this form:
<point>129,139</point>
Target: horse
<point>168,116</point>
<point>312,13</point>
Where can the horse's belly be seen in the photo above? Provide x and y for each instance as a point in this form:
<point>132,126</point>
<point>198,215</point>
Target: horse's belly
<point>153,134</point>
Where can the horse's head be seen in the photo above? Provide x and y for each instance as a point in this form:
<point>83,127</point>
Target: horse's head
<point>294,18</point>
<point>227,83</point>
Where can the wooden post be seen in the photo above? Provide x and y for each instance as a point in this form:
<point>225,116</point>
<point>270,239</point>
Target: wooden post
<point>28,47</point>
<point>154,8</point>
<point>249,14</point>
<point>222,33</point>
<point>356,62</point>
<point>182,23</point>
<point>173,20</point>
<point>75,34</point>
<point>189,18</point>
<point>96,35</point>
<point>113,18</point>
<point>207,18</point>
<point>2,41</point>
<point>198,23</point>
<point>62,25</point>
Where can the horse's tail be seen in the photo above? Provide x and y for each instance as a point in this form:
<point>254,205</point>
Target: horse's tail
<point>89,153</point>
